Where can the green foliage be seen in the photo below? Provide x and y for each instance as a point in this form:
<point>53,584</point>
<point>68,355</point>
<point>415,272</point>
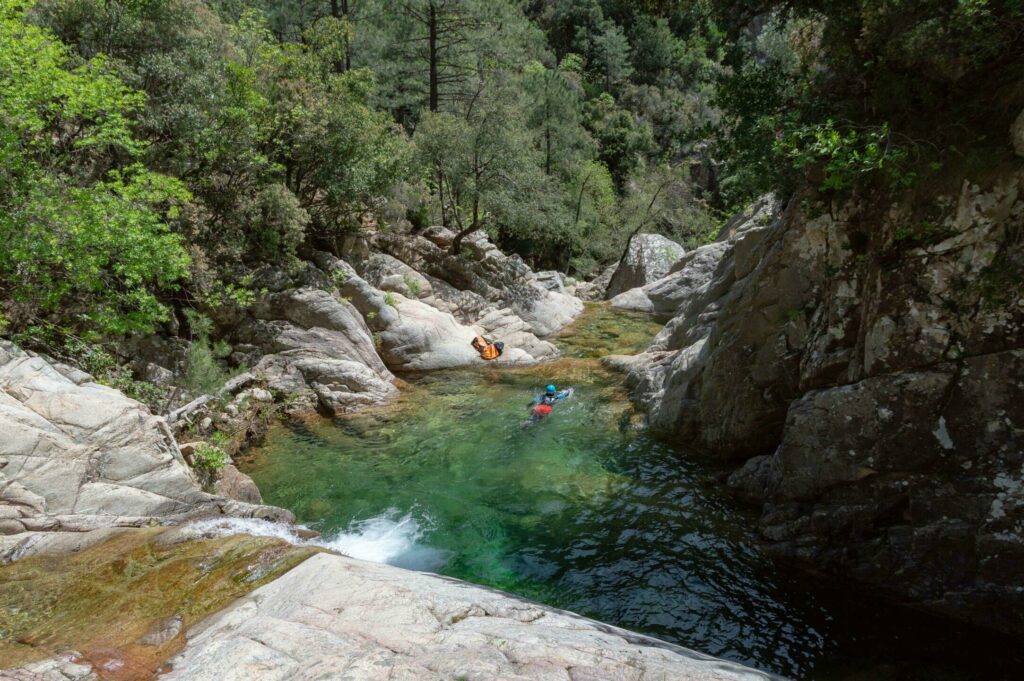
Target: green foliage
<point>106,369</point>
<point>413,285</point>
<point>389,299</point>
<point>240,295</point>
<point>203,373</point>
<point>844,156</point>
<point>841,93</point>
<point>83,223</point>
<point>220,439</point>
<point>209,458</point>
<point>919,233</point>
<point>623,140</point>
<point>191,142</point>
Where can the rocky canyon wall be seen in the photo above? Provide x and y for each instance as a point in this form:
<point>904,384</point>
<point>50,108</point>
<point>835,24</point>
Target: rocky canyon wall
<point>864,368</point>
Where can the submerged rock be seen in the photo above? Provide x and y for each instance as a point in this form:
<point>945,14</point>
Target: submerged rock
<point>335,617</point>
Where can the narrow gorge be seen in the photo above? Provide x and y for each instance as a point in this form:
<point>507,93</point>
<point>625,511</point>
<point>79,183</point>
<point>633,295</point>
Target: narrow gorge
<point>569,340</point>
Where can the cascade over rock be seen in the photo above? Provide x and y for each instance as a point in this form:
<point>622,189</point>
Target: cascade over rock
<point>867,368</point>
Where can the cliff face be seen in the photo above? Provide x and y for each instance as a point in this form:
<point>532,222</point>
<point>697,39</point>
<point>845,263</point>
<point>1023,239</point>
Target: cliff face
<point>866,367</point>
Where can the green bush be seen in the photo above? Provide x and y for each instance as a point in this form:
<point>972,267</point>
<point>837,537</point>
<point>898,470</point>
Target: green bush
<point>105,368</point>
<point>203,373</point>
<point>208,459</point>
<point>413,285</point>
<point>83,224</point>
<point>845,156</point>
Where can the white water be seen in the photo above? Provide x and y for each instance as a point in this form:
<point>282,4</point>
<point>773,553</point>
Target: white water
<point>387,538</point>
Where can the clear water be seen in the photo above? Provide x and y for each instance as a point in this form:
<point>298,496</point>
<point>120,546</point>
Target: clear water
<point>587,512</point>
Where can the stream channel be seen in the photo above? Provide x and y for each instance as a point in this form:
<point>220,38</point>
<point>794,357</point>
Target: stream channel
<point>588,512</point>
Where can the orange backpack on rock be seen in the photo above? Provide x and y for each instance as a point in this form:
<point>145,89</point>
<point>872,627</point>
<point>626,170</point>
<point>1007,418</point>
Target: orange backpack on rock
<point>486,348</point>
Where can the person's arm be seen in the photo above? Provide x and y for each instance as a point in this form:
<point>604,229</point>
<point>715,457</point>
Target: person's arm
<point>562,394</point>
<point>535,401</point>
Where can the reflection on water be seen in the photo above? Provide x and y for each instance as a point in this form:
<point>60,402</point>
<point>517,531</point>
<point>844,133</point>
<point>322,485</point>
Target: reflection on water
<point>584,512</point>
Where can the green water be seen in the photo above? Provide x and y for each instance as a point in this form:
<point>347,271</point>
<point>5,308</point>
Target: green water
<point>584,512</point>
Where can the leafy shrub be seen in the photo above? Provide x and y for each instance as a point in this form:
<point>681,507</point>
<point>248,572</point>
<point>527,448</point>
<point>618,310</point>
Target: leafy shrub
<point>105,368</point>
<point>413,285</point>
<point>277,222</point>
<point>845,156</point>
<point>389,299</point>
<point>203,373</point>
<point>83,223</point>
<point>208,458</point>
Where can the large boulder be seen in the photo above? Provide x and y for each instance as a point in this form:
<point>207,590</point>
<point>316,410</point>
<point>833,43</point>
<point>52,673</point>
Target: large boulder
<point>508,327</point>
<point>425,338</point>
<point>335,617</point>
<point>648,257</point>
<point>79,456</point>
<point>318,347</point>
<point>234,484</point>
<point>421,334</point>
<point>865,367</point>
<point>635,300</point>
<point>388,273</point>
<point>481,268</point>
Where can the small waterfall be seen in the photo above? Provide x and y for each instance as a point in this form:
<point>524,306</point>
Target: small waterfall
<point>390,537</point>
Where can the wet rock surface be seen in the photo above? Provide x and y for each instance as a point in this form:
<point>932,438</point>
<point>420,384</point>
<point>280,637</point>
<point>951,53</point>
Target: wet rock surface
<point>865,369</point>
<point>334,617</point>
<point>117,609</point>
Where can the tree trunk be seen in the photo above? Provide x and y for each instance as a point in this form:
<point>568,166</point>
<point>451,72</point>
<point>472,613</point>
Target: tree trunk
<point>457,243</point>
<point>547,150</point>
<point>432,55</point>
<point>579,199</point>
<point>348,42</point>
<point>339,12</point>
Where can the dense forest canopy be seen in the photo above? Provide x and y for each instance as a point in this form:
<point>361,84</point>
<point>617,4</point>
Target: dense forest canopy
<point>156,153</point>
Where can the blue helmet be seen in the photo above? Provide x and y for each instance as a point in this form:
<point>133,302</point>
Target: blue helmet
<point>550,389</point>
